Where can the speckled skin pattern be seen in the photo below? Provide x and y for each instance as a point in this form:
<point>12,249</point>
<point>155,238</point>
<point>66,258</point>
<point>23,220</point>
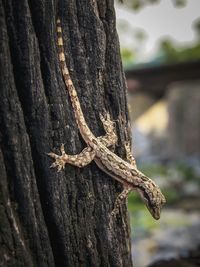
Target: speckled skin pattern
<point>98,150</point>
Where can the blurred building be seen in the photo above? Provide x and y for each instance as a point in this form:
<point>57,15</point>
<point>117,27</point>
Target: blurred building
<point>165,111</point>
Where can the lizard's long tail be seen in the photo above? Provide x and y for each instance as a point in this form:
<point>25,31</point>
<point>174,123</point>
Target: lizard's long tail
<point>84,129</point>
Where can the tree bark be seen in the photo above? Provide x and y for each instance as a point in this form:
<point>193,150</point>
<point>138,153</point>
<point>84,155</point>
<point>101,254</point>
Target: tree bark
<point>50,218</point>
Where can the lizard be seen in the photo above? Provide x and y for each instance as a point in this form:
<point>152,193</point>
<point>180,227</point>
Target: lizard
<point>97,149</point>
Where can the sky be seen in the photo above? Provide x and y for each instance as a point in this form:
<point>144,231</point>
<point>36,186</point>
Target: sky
<point>158,20</point>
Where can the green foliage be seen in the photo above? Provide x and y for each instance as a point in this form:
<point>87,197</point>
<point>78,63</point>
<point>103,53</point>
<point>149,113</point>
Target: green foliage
<point>196,26</point>
<point>138,4</point>
<point>171,195</point>
<point>171,53</point>
<point>140,35</point>
<point>187,172</point>
<point>134,202</point>
<point>155,169</point>
<point>128,56</point>
<point>180,3</point>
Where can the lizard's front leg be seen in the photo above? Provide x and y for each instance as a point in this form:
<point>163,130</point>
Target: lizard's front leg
<point>121,197</point>
<point>129,155</point>
<point>109,126</point>
<point>79,160</point>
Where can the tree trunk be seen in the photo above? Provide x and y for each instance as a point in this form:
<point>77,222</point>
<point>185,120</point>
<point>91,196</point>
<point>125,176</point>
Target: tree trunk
<point>50,218</point>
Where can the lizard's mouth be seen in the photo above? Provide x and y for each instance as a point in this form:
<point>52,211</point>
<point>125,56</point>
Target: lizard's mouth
<point>155,211</point>
<point>156,214</point>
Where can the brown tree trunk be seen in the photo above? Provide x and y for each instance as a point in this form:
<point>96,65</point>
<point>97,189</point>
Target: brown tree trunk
<point>50,218</point>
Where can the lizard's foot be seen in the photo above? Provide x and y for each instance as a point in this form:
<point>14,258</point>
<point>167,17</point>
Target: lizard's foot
<point>108,124</point>
<point>80,160</point>
<point>110,139</point>
<point>60,161</point>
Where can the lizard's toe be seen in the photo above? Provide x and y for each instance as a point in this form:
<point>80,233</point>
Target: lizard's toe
<point>62,149</point>
<point>59,168</point>
<point>52,155</point>
<point>59,162</point>
<point>53,165</point>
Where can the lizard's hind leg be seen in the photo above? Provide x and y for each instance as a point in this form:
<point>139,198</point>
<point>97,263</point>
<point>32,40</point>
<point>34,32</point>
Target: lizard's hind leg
<point>110,138</point>
<point>120,199</point>
<point>79,160</point>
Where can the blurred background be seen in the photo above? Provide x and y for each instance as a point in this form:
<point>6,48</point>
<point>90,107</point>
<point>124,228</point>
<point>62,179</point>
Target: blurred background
<point>160,48</point>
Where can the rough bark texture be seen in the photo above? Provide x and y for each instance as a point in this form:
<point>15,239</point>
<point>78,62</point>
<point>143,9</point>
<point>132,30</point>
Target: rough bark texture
<point>50,218</point>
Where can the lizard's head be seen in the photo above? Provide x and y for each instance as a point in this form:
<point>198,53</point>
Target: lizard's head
<point>155,204</point>
<point>153,198</point>
<point>155,208</point>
